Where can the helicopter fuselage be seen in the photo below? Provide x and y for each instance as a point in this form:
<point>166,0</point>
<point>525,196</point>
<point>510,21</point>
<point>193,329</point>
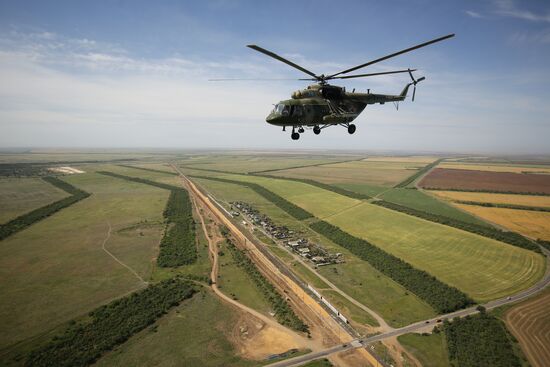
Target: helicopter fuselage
<point>322,105</point>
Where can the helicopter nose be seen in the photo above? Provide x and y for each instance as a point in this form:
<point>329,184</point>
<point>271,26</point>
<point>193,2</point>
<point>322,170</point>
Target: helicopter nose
<point>271,118</point>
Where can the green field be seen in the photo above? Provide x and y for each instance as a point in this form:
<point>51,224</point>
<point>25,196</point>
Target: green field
<point>356,277</point>
<point>253,163</point>
<point>430,350</point>
<point>56,269</point>
<point>234,282</point>
<point>483,268</point>
<point>195,333</point>
<point>21,195</point>
<point>420,201</point>
<point>320,202</point>
<point>373,173</point>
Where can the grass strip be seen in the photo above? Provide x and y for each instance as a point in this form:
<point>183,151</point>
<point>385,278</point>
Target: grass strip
<point>510,238</point>
<point>83,343</point>
<point>177,246</point>
<point>25,220</point>
<point>279,201</point>
<point>442,297</point>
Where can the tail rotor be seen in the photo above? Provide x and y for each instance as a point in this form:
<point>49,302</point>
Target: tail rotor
<point>415,82</point>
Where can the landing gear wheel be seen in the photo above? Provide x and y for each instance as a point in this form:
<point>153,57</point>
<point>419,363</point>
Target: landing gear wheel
<point>301,130</point>
<point>316,130</point>
<point>351,128</point>
<point>295,136</point>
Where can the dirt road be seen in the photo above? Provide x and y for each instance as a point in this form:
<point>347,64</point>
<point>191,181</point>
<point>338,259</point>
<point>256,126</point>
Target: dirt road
<point>324,327</point>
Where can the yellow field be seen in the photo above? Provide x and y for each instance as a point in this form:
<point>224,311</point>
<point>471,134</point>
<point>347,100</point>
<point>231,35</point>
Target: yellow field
<point>529,223</point>
<point>527,200</point>
<point>495,168</point>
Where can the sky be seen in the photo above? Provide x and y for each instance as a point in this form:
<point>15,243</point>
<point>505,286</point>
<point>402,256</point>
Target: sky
<point>129,74</point>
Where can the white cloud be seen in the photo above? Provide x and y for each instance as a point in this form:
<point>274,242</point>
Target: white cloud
<point>473,14</point>
<point>57,91</point>
<point>508,8</point>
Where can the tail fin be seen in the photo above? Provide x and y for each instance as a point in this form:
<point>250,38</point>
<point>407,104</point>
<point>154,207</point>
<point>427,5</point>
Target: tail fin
<point>405,91</point>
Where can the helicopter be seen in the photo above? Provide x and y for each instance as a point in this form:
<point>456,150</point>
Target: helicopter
<point>322,105</point>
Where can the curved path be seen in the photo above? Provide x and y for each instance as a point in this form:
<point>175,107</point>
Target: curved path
<point>115,258</point>
<point>213,249</point>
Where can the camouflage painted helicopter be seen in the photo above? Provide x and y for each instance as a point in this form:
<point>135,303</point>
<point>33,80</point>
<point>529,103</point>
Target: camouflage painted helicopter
<point>322,105</point>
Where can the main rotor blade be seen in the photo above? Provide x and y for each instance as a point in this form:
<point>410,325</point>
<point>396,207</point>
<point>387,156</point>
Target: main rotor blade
<point>372,74</point>
<point>249,79</point>
<point>393,55</point>
<point>282,59</point>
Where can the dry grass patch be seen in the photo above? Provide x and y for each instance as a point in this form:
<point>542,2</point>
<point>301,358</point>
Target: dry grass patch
<point>526,200</point>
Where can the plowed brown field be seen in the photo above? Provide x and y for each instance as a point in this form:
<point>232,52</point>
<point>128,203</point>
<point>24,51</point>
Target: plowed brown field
<point>459,179</point>
<point>530,323</point>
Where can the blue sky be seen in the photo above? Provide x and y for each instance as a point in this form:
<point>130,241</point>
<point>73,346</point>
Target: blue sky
<point>134,73</point>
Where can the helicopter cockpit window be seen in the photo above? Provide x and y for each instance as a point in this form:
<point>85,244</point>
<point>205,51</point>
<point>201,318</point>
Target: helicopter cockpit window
<point>297,111</point>
<point>285,110</point>
<point>279,108</point>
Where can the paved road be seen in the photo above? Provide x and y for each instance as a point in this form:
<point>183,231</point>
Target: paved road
<point>359,343</point>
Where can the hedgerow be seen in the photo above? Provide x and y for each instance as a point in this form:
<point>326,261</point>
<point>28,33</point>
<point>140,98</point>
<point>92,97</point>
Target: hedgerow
<point>338,190</point>
<point>480,340</point>
<point>511,238</point>
<point>148,169</point>
<point>504,206</point>
<point>442,297</point>
<point>282,203</point>
<point>283,312</point>
<point>406,182</point>
<point>177,246</point>
<point>27,219</point>
<point>111,325</point>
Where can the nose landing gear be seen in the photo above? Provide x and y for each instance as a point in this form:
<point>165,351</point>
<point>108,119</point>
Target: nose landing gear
<point>316,130</point>
<point>351,128</point>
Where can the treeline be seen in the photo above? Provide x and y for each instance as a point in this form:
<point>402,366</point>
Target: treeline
<point>442,297</point>
<point>27,219</point>
<point>282,203</point>
<point>149,169</point>
<point>305,165</point>
<point>479,340</point>
<point>140,180</point>
<point>488,191</point>
<point>177,246</point>
<point>283,312</point>
<point>338,190</point>
<point>543,243</point>
<point>406,182</point>
<point>511,238</point>
<point>504,206</point>
<point>210,170</point>
<point>108,326</point>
